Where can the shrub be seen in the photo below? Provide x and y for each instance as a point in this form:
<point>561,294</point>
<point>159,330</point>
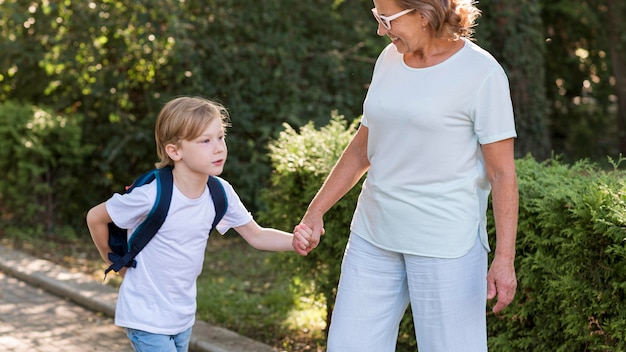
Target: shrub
<point>301,162</point>
<point>117,62</point>
<point>570,261</point>
<point>39,155</point>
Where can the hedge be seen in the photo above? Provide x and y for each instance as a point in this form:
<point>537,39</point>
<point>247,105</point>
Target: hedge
<point>41,155</point>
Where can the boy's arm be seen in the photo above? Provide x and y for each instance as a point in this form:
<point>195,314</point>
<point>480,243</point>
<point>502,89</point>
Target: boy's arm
<point>267,239</point>
<point>97,221</point>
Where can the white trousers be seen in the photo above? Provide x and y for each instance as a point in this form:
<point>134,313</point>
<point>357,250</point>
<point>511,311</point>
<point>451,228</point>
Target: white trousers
<point>447,296</point>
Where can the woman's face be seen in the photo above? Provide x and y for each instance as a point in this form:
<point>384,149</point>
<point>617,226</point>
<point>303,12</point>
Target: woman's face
<point>406,31</point>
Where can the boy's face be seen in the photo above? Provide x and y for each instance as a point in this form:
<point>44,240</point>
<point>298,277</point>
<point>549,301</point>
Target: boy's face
<point>207,153</point>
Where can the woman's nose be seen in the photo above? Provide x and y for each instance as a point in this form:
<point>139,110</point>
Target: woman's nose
<point>381,30</point>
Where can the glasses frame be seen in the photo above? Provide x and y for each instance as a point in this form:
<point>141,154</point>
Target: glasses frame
<point>385,21</point>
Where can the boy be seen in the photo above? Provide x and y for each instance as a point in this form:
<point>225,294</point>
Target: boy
<point>157,298</point>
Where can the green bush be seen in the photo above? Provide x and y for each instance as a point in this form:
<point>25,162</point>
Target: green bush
<point>117,62</point>
<point>39,155</point>
<point>571,260</point>
<point>301,161</point>
<point>570,256</point>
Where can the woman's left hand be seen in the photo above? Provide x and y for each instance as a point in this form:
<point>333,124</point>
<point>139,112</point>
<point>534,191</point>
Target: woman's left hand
<point>501,283</point>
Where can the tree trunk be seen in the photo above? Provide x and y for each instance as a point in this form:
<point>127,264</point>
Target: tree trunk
<point>515,38</point>
<point>617,46</point>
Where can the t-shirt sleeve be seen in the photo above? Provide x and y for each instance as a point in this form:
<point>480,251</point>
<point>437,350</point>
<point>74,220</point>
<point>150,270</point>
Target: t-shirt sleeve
<point>493,111</point>
<point>376,71</point>
<point>128,210</point>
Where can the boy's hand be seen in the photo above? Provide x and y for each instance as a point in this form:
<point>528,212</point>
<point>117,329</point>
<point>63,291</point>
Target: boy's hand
<point>301,239</point>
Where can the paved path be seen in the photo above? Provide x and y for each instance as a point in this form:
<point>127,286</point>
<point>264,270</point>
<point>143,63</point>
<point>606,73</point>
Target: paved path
<point>47,308</point>
<point>34,320</point>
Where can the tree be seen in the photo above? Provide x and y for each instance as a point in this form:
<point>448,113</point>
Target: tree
<point>616,12</point>
<point>117,62</point>
<point>513,33</point>
<point>582,77</point>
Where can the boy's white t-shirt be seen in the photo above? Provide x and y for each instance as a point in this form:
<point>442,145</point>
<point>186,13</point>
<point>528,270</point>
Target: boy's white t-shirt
<point>159,295</point>
<point>426,190</point>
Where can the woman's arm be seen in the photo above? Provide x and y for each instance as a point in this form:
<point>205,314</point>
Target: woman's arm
<point>348,170</point>
<point>500,165</point>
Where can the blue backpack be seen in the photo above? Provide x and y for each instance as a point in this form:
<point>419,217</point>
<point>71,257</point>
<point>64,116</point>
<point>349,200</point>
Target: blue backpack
<point>124,251</point>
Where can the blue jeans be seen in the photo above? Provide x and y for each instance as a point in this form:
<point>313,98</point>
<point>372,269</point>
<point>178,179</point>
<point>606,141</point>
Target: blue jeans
<point>143,341</point>
<point>448,299</point>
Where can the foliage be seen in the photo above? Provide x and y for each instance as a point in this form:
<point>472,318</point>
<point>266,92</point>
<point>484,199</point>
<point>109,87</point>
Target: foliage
<point>301,160</point>
<point>565,80</point>
<point>513,33</point>
<point>570,258</point>
<point>580,82</point>
<point>117,62</point>
<point>40,153</point>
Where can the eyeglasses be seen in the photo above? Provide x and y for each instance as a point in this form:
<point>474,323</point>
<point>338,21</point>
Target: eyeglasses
<point>385,21</point>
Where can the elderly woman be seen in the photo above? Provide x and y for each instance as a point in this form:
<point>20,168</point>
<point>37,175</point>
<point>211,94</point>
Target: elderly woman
<point>436,138</point>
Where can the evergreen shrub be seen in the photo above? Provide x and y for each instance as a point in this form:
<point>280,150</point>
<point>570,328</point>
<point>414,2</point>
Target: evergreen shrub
<point>301,161</point>
<point>570,250</point>
<point>571,260</point>
<point>39,155</point>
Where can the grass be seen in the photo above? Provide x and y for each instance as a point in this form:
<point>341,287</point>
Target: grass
<point>240,288</point>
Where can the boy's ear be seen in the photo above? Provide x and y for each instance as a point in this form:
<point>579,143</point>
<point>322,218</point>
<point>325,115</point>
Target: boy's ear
<point>173,152</point>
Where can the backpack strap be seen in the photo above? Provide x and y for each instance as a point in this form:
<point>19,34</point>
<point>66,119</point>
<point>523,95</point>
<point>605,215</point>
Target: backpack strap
<point>155,219</point>
<point>220,202</point>
<point>153,222</point>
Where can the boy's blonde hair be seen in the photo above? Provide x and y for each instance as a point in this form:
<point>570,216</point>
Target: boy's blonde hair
<point>185,118</point>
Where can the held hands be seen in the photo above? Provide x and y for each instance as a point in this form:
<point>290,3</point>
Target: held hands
<point>305,238</point>
<point>302,239</point>
<point>307,234</point>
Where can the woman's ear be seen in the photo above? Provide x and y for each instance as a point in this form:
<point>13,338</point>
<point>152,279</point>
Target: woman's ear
<point>173,152</point>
